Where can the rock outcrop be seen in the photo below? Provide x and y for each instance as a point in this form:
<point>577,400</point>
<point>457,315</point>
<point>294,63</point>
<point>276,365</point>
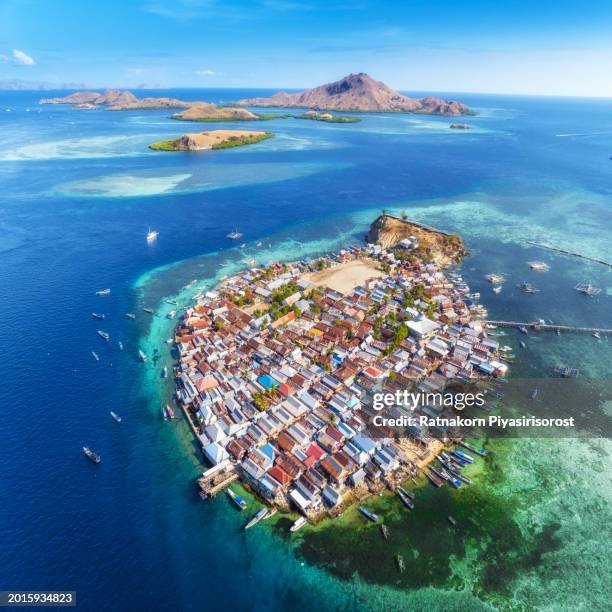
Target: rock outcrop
<point>443,247</point>
<point>359,92</point>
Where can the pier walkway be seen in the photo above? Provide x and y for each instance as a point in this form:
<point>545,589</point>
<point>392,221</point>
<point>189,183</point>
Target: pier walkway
<point>571,253</point>
<point>537,326</point>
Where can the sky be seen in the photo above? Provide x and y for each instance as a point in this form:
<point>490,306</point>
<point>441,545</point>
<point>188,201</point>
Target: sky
<point>538,47</point>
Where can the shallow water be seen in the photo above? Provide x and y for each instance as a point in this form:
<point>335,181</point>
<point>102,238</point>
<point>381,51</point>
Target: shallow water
<point>134,524</point>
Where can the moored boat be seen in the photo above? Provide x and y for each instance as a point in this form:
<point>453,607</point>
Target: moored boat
<point>97,315</point>
<point>103,292</point>
<point>258,516</point>
<point>434,479</point>
<point>463,456</point>
<point>452,520</point>
<point>402,494</point>
<point>370,515</point>
<point>169,411</point>
<point>171,314</point>
<point>130,315</point>
<point>237,499</point>
<point>298,524</point>
<point>95,355</point>
<point>142,356</point>
<point>104,335</point>
<point>165,372</point>
<point>115,416</point>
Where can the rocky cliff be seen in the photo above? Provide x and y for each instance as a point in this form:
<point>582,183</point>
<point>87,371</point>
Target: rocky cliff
<point>443,247</point>
<point>359,92</point>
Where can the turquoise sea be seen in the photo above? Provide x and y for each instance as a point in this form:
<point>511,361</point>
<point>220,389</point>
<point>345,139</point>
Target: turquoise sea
<point>79,190</point>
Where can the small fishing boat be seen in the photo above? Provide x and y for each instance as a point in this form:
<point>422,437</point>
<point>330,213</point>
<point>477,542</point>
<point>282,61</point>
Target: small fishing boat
<point>452,520</point>
<point>172,302</point>
<point>164,414</point>
<point>596,335</point>
<point>95,355</point>
<point>497,290</point>
<point>538,266</point>
<point>523,345</point>
<point>235,235</point>
<point>120,345</point>
<point>403,495</point>
<point>534,394</point>
<point>130,315</point>
<point>148,310</point>
<point>169,411</point>
<point>164,373</point>
<point>385,531</point>
<point>142,356</point>
<point>171,314</point>
<point>115,416</point>
<point>527,287</point>
<point>523,329</point>
<point>495,279</point>
<point>152,235</point>
<point>258,516</point>
<point>104,335</point>
<point>237,499</point>
<point>93,457</point>
<point>97,315</point>
<point>299,523</point>
<point>103,292</point>
<point>370,515</point>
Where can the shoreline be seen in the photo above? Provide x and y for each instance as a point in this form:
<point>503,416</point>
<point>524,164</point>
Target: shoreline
<point>214,478</point>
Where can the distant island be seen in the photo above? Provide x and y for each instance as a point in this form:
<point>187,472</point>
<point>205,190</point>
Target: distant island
<point>215,139</point>
<point>203,111</point>
<point>114,99</point>
<point>359,92</point>
<point>327,117</point>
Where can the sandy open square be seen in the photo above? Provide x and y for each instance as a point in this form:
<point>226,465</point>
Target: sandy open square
<point>345,277</point>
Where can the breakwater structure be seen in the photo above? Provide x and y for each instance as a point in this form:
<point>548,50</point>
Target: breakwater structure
<point>539,326</point>
<point>555,249</point>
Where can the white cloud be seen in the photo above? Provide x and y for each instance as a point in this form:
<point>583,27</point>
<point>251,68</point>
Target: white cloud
<point>205,72</point>
<point>22,59</point>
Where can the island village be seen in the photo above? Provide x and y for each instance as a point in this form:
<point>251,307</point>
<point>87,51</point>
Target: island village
<point>278,365</point>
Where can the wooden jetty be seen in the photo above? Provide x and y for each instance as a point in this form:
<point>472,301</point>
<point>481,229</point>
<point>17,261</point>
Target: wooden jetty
<point>538,326</point>
<point>548,247</point>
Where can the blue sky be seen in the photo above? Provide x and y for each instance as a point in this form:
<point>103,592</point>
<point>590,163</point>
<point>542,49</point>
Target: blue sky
<point>501,46</point>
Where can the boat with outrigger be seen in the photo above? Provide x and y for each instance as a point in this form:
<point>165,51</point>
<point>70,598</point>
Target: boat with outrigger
<point>587,289</point>
<point>237,499</point>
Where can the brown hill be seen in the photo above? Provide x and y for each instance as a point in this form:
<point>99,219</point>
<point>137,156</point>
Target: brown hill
<point>359,92</point>
<point>210,112</point>
<point>442,247</point>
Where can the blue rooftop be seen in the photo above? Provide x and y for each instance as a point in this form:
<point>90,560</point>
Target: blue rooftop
<point>267,382</point>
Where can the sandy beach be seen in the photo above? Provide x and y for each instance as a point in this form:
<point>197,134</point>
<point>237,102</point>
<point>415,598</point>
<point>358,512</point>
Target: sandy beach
<point>345,277</point>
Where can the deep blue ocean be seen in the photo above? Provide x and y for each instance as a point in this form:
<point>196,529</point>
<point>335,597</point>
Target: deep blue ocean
<point>78,192</point>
